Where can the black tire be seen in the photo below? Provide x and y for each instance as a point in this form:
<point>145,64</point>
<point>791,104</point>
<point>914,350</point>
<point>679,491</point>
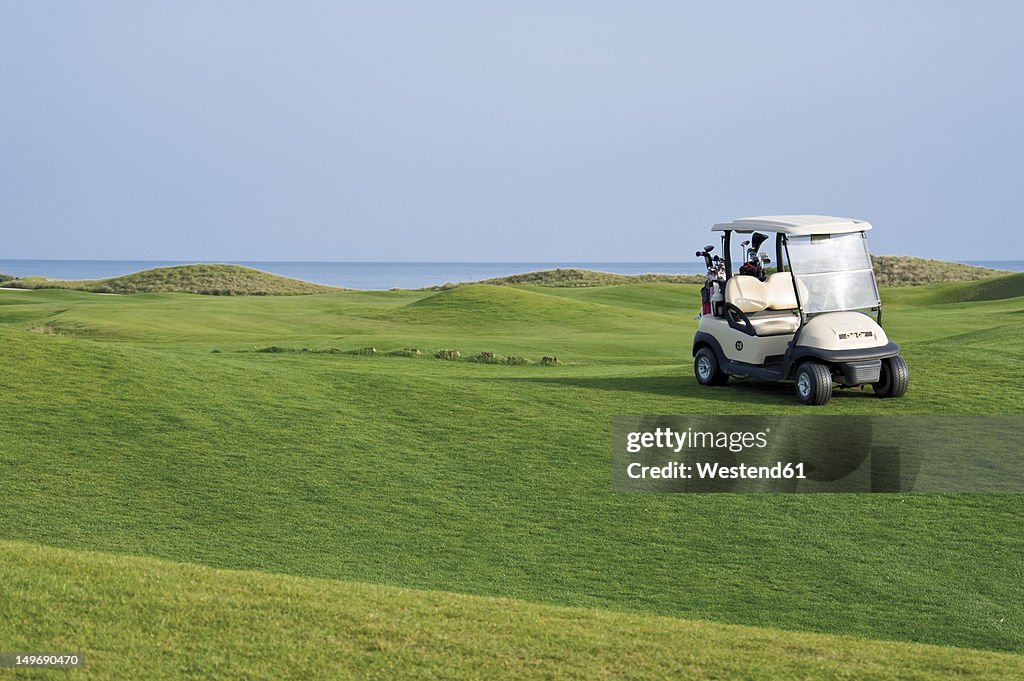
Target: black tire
<point>706,369</point>
<point>893,379</point>
<point>813,383</point>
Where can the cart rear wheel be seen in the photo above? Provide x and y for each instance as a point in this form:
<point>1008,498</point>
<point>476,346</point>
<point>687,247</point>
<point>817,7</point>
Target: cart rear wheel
<point>706,369</point>
<point>813,383</point>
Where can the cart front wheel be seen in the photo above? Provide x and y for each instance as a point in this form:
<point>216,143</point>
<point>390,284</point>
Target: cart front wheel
<point>813,383</point>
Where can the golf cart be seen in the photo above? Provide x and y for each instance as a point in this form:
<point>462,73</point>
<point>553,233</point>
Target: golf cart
<point>806,321</point>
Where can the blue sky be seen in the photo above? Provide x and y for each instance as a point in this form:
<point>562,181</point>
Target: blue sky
<point>503,131</point>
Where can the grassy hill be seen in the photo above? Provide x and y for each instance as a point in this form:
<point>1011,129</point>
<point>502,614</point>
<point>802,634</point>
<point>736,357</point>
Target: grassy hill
<point>991,288</point>
<point>891,271</point>
<point>236,280</point>
<point>571,278</point>
<point>187,621</point>
<point>150,426</point>
<point>903,270</point>
<point>216,280</point>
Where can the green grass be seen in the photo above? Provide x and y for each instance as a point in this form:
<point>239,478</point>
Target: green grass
<point>997,288</point>
<point>168,620</point>
<point>124,432</point>
<point>214,280</point>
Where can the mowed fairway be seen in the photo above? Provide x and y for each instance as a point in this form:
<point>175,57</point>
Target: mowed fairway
<point>145,618</point>
<point>150,425</point>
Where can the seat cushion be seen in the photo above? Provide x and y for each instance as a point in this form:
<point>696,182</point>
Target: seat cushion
<point>779,293</point>
<point>774,324</point>
<point>746,292</point>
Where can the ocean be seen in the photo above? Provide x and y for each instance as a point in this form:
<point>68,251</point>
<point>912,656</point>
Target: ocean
<point>375,275</point>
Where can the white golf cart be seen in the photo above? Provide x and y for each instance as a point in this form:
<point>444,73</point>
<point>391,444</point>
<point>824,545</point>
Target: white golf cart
<point>805,322</point>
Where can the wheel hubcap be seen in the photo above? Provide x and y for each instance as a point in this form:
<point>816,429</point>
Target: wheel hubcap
<point>803,385</point>
<point>704,368</point>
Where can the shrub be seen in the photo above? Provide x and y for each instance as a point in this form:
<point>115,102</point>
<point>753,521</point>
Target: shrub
<point>516,361</point>
<point>448,353</point>
<point>549,361</point>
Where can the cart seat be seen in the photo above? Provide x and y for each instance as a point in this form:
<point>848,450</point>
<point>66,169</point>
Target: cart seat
<point>774,324</point>
<point>781,295</point>
<point>769,305</point>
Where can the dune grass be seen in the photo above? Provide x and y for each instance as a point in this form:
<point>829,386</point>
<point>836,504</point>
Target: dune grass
<point>125,432</point>
<point>236,280</point>
<point>902,270</point>
<point>890,270</point>
<point>214,280</point>
<point>576,278</point>
<point>179,621</point>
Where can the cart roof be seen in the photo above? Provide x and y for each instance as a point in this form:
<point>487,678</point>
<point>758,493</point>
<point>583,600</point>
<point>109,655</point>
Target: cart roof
<point>796,225</point>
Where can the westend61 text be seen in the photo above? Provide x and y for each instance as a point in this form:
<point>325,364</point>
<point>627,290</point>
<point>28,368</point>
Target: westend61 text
<point>714,471</point>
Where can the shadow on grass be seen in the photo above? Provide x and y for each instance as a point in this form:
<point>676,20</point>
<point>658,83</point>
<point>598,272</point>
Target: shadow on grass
<point>737,390</point>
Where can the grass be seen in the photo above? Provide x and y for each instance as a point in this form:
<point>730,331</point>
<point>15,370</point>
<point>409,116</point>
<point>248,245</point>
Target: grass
<point>902,270</point>
<point>186,621</point>
<point>235,280</point>
<point>997,288</point>
<point>891,271</point>
<point>214,280</point>
<point>575,278</point>
<point>124,432</point>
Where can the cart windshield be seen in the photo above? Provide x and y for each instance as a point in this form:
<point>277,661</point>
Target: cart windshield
<point>833,272</point>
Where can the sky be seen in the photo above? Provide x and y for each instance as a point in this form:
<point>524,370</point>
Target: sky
<point>485,131</point>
